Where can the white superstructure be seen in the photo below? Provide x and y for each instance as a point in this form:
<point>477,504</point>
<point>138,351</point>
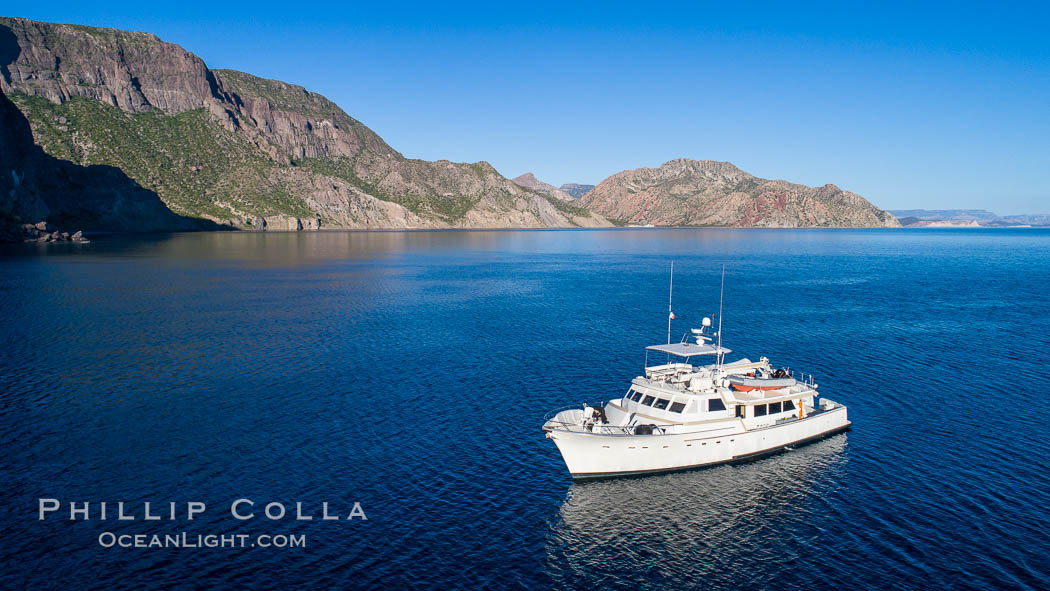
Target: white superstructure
<point>683,414</point>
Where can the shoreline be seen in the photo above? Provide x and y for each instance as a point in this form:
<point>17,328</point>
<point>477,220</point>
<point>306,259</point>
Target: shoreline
<point>129,234</point>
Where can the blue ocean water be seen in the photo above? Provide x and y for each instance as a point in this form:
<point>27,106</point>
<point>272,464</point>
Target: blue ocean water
<point>410,372</point>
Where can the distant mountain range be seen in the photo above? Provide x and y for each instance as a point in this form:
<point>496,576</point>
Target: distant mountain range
<point>944,214</point>
<point>529,181</point>
<point>576,190</point>
<point>966,218</point>
<point>105,129</point>
<point>566,192</point>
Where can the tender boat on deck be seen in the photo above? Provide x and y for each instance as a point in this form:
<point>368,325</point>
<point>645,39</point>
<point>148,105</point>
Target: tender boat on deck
<point>684,414</point>
<point>764,380</point>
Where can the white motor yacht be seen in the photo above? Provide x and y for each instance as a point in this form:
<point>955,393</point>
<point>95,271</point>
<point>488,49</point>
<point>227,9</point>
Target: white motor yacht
<point>684,414</point>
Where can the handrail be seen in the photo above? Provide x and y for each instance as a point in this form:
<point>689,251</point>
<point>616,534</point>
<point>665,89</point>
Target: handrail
<point>578,406</point>
<point>612,430</point>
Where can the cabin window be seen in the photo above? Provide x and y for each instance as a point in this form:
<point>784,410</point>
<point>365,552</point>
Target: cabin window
<point>788,405</point>
<point>774,408</point>
<point>677,407</point>
<point>714,404</point>
<point>661,404</point>
<point>740,410</point>
<point>760,410</point>
<point>649,400</point>
<point>636,396</point>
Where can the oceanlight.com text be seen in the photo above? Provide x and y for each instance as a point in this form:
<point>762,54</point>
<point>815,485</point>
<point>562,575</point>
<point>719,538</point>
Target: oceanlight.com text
<point>186,540</point>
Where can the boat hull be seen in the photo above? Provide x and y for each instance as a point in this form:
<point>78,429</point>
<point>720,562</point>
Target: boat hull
<point>590,456</point>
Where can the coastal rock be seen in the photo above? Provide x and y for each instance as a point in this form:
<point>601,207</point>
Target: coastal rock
<point>34,233</point>
<point>687,192</point>
<point>282,223</point>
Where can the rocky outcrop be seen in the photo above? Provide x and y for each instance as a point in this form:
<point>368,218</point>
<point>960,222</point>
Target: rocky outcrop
<point>706,193</point>
<point>301,124</point>
<point>220,147</point>
<point>38,232</point>
<point>529,181</point>
<point>576,190</point>
<point>133,71</point>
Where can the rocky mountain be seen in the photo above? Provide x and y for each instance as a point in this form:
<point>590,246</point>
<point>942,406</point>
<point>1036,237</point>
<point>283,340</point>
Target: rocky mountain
<point>706,193</point>
<point>576,190</point>
<point>109,129</point>
<point>1036,220</point>
<point>529,181</point>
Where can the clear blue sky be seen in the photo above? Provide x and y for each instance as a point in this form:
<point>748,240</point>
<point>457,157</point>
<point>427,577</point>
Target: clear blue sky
<point>936,106</point>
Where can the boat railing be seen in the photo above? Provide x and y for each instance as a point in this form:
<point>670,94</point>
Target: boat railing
<point>804,379</point>
<point>599,429</point>
<point>586,424</point>
<point>604,429</point>
<point>549,417</point>
<point>824,405</point>
<point>668,371</point>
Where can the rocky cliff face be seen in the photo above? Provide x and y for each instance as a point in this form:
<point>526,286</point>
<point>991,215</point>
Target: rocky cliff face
<point>529,181</point>
<point>706,193</point>
<point>135,72</point>
<point>147,134</point>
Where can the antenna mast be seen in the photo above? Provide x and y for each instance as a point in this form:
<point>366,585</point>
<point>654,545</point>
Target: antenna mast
<point>670,314</point>
<point>721,297</point>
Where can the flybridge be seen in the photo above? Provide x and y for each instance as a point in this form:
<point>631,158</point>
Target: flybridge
<point>685,349</point>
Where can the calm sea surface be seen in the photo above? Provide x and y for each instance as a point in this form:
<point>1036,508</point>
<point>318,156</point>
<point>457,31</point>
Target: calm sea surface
<point>411,371</point>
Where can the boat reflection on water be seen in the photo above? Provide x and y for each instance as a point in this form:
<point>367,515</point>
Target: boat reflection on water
<point>728,524</point>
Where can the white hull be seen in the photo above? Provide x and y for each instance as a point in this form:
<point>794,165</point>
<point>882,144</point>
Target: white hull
<point>591,455</point>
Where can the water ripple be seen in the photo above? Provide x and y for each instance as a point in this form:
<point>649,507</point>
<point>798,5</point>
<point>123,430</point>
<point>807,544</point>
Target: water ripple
<point>410,371</point>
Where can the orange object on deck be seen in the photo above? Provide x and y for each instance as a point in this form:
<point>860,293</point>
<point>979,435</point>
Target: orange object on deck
<point>742,388</point>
